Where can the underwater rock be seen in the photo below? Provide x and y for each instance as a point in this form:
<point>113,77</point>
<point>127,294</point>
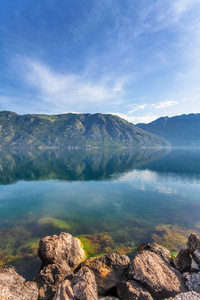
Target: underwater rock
<point>193,246</point>
<point>161,279</point>
<point>192,281</point>
<point>49,279</point>
<point>109,270</point>
<point>186,296</point>
<point>81,287</point>
<point>133,290</point>
<point>157,249</point>
<point>13,286</point>
<point>183,261</point>
<point>61,249</point>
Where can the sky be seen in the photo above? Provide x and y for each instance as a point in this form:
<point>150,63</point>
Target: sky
<point>138,59</point>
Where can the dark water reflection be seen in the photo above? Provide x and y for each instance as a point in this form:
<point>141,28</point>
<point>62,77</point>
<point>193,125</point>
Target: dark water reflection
<point>113,199</point>
<point>64,164</point>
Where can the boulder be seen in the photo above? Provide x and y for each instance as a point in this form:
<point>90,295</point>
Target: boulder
<point>108,298</point>
<point>193,242</point>
<point>183,261</point>
<point>81,287</point>
<point>109,270</point>
<point>159,278</point>
<point>49,279</point>
<point>186,296</point>
<point>14,287</point>
<point>133,290</point>
<point>192,281</point>
<point>61,249</point>
<point>193,245</point>
<point>157,249</point>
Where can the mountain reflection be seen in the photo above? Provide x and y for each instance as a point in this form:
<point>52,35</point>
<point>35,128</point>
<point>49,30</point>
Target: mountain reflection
<point>72,165</point>
<point>180,162</point>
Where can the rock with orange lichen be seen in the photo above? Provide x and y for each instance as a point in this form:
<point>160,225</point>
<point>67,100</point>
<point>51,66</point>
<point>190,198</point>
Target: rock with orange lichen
<point>109,270</point>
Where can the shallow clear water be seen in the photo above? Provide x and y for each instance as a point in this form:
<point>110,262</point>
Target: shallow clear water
<point>112,199</point>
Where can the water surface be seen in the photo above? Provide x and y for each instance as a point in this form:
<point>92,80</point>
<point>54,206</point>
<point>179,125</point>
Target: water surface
<point>113,199</point>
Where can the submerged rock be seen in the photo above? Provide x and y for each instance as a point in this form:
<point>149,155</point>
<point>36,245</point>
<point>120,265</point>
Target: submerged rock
<point>109,270</point>
<point>81,287</point>
<point>160,278</point>
<point>14,287</point>
<point>183,261</point>
<point>61,249</point>
<point>133,290</point>
<point>157,249</point>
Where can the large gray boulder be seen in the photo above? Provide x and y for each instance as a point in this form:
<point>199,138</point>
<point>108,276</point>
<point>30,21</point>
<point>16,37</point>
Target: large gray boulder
<point>186,296</point>
<point>193,245</point>
<point>192,281</point>
<point>14,287</point>
<point>159,277</point>
<point>157,249</point>
<point>81,287</point>
<point>61,249</point>
<point>131,289</point>
<point>49,279</point>
<point>108,270</point>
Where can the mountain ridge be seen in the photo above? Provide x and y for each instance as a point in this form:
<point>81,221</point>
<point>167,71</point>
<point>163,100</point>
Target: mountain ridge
<point>182,130</point>
<point>72,130</point>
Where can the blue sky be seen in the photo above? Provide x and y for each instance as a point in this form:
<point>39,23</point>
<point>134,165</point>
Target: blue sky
<point>139,59</point>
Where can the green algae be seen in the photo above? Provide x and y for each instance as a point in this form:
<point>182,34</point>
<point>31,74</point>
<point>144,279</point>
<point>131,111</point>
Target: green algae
<point>103,243</point>
<point>96,244</point>
<point>172,237</point>
<point>57,223</point>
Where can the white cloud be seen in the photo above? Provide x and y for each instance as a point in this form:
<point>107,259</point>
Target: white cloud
<point>180,7</point>
<point>69,90</point>
<point>139,107</point>
<point>165,104</point>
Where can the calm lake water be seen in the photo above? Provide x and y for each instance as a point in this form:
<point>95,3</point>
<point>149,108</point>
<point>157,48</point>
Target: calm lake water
<point>112,199</point>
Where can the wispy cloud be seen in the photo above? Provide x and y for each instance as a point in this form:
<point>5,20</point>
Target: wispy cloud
<point>69,90</point>
<point>165,104</point>
<point>139,107</point>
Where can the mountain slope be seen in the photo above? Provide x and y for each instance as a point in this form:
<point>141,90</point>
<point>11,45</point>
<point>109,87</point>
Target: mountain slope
<point>74,130</point>
<point>181,130</point>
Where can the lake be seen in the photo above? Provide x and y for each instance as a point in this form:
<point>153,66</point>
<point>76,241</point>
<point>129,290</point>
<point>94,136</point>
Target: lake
<point>112,199</point>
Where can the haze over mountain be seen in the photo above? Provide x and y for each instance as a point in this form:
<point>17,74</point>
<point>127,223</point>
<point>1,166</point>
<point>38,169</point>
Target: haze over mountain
<point>72,130</point>
<point>181,130</point>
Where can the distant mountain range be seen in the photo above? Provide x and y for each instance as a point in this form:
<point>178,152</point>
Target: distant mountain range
<point>73,130</point>
<point>180,131</point>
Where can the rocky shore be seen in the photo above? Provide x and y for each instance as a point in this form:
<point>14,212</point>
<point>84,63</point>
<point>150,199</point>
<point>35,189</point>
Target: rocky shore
<point>66,273</point>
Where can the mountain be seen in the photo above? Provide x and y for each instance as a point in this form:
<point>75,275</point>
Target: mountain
<point>180,131</point>
<point>72,130</point>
